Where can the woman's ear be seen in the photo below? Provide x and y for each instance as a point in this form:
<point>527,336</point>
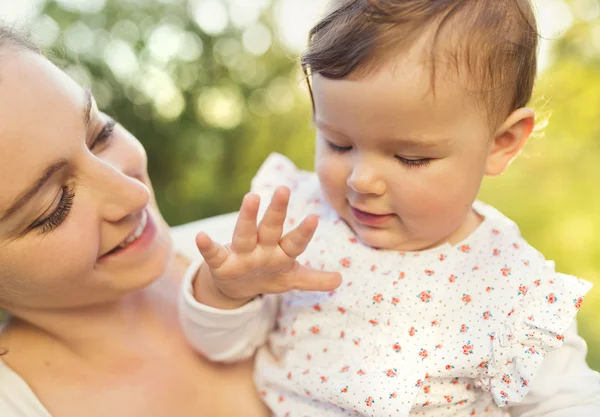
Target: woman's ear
<point>509,139</point>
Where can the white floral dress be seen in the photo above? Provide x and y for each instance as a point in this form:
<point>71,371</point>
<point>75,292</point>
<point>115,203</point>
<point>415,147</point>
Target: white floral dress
<point>451,331</point>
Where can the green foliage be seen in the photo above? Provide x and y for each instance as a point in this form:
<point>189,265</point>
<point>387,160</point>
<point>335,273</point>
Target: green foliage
<point>209,119</point>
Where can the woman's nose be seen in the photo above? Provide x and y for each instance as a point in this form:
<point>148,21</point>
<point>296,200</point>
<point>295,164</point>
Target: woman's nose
<point>120,188</point>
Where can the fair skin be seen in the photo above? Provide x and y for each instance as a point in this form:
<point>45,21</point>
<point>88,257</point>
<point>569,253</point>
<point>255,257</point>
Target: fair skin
<point>400,162</point>
<point>95,329</point>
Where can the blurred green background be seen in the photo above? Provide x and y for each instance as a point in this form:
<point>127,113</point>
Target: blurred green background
<point>211,87</point>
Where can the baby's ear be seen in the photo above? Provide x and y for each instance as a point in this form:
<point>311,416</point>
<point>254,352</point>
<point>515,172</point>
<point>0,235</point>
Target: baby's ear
<point>509,139</point>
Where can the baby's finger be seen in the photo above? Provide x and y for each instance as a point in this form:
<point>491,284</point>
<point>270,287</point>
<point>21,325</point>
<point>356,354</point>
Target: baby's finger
<point>296,241</point>
<point>271,225</point>
<point>244,234</point>
<point>308,279</point>
<point>214,254</point>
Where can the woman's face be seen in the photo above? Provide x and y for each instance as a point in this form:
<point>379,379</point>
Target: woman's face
<point>78,221</point>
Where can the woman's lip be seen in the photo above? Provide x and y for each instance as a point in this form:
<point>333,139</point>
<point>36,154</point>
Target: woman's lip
<point>139,245</point>
<point>369,218</point>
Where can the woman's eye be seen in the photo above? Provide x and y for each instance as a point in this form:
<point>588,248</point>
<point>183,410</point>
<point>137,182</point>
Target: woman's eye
<point>105,135</point>
<point>337,148</point>
<point>59,215</point>
<point>412,163</point>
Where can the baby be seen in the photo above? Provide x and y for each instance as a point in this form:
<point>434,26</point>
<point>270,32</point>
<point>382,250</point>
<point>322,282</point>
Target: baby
<point>409,297</point>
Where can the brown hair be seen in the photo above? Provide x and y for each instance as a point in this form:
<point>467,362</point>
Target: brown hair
<point>495,41</point>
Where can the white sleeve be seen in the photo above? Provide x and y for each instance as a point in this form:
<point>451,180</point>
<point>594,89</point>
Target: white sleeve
<point>225,335</point>
<point>564,386</point>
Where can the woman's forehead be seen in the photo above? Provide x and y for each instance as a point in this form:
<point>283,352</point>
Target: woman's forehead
<point>40,117</point>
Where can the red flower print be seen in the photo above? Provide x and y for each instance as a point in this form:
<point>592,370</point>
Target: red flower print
<point>419,383</point>
<point>449,367</point>
<point>537,282</point>
<point>449,398</point>
<point>306,372</point>
<point>374,322</point>
<point>551,298</point>
<point>377,299</point>
<point>396,347</point>
<point>369,401</point>
<point>323,379</point>
<point>505,271</point>
<point>391,373</point>
<point>483,364</point>
<point>342,310</point>
<point>467,349</point>
<point>289,375</point>
<point>578,302</point>
<point>427,389</point>
<point>516,245</point>
<point>524,382</point>
<point>442,257</point>
<point>452,278</point>
<point>315,330</point>
<point>317,307</point>
<point>489,289</point>
<point>464,328</point>
<point>394,395</point>
<point>308,357</point>
<point>426,403</point>
<point>454,381</point>
<point>429,272</point>
<point>412,331</point>
<point>345,262</point>
<point>361,372</point>
<point>496,232</point>
<point>435,323</point>
<point>281,398</point>
<point>345,369</point>
<point>560,337</point>
<point>345,389</point>
<point>466,298</point>
<point>522,290</point>
<point>401,275</point>
<point>356,341</point>
<point>503,395</point>
<point>506,379</point>
<point>531,351</point>
<point>373,268</point>
<point>492,336</point>
<point>342,334</point>
<point>395,301</point>
<point>425,296</point>
<point>353,240</point>
<point>473,412</point>
<point>423,354</point>
<point>465,248</point>
<point>496,252</point>
<point>487,315</point>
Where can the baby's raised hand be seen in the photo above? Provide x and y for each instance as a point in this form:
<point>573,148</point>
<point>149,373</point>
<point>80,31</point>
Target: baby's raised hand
<point>260,259</point>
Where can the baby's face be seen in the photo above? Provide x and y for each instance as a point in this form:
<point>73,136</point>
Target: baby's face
<point>399,162</point>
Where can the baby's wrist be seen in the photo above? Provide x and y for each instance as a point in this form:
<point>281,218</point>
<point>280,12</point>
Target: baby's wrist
<point>206,292</point>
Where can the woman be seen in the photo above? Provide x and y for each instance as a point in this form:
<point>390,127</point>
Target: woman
<point>87,269</point>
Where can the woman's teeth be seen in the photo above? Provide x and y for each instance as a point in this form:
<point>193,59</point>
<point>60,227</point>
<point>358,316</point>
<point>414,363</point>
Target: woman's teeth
<point>137,233</point>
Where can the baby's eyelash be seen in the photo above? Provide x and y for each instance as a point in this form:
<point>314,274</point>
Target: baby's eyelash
<point>338,149</point>
<point>413,163</point>
<point>59,215</point>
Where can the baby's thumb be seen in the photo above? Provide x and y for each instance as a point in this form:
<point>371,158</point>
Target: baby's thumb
<point>308,279</point>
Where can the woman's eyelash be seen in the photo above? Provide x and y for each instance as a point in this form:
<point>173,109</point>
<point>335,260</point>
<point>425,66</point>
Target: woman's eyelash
<point>104,135</point>
<point>60,214</point>
<point>413,163</point>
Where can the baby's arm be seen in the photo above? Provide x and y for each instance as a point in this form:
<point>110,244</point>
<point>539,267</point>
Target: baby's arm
<point>564,386</point>
<point>229,307</point>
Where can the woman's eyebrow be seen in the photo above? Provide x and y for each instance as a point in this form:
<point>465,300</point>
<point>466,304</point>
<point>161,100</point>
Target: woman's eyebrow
<point>34,189</point>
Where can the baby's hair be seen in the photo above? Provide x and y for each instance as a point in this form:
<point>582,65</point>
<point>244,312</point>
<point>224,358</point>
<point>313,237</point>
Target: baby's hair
<point>490,45</point>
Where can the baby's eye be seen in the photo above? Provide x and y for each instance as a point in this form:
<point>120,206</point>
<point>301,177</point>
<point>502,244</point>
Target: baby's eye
<point>337,148</point>
<point>413,162</point>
